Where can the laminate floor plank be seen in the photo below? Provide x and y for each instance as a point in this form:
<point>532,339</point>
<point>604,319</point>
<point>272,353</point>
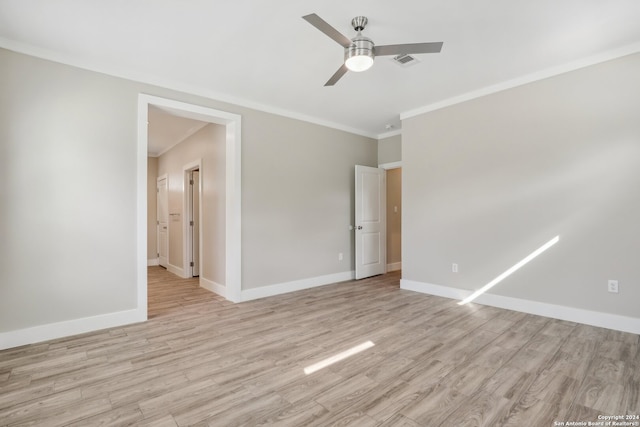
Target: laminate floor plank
<point>202,361</point>
<point>398,420</point>
<point>129,415</point>
<point>435,405</point>
<point>302,414</point>
<point>25,393</point>
<point>531,413</point>
<point>479,410</point>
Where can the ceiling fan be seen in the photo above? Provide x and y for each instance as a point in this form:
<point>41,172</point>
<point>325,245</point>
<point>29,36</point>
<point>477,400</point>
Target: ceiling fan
<point>360,51</point>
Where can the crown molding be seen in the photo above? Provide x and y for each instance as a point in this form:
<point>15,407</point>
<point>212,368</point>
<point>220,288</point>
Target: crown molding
<point>389,134</point>
<point>523,80</point>
<point>128,74</point>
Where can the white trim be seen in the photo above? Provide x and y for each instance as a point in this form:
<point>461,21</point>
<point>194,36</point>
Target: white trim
<point>523,80</point>
<point>296,285</point>
<point>431,289</point>
<point>579,315</point>
<point>178,271</point>
<point>142,200</point>
<point>395,266</point>
<point>164,177</point>
<point>153,262</point>
<point>186,208</point>
<point>389,134</point>
<point>233,211</point>
<point>391,165</point>
<point>214,287</point>
<point>186,88</point>
<point>233,226</point>
<point>179,86</point>
<point>70,327</point>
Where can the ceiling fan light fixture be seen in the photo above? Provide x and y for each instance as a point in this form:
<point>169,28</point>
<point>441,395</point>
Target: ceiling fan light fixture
<point>359,56</point>
<point>359,63</point>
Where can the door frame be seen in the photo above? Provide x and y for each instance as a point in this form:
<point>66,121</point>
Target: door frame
<point>164,177</point>
<point>233,196</point>
<point>187,240</point>
<point>386,167</point>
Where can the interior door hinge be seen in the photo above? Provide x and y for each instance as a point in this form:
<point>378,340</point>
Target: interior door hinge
<point>191,263</point>
<point>191,223</point>
<point>191,181</point>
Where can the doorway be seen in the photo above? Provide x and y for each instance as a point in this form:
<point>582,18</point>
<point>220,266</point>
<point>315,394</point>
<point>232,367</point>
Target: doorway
<point>193,236</point>
<point>379,198</point>
<point>394,214</point>
<point>162,222</point>
<point>231,289</point>
<point>394,219</point>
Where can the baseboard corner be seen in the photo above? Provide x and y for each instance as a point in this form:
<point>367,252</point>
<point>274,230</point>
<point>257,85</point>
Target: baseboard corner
<point>295,285</point>
<point>214,287</point>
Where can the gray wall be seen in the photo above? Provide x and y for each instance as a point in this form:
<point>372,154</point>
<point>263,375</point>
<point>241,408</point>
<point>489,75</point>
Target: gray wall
<point>68,191</point>
<point>297,199</point>
<point>488,181</point>
<point>390,149</point>
<point>67,185</point>
<point>208,146</point>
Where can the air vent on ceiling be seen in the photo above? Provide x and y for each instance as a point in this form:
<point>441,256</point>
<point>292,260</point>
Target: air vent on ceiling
<point>405,60</point>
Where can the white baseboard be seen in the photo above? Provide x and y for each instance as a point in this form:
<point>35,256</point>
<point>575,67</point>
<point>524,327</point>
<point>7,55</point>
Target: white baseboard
<point>394,267</point>
<point>153,262</point>
<point>70,327</point>
<point>296,285</point>
<point>214,287</point>
<point>176,270</point>
<point>578,315</point>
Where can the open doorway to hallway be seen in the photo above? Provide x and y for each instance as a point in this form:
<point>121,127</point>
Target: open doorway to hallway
<point>188,157</point>
<point>213,150</point>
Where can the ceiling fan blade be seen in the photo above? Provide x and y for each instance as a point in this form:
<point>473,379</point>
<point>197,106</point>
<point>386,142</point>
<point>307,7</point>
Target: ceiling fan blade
<point>323,26</point>
<point>407,49</point>
<point>337,75</point>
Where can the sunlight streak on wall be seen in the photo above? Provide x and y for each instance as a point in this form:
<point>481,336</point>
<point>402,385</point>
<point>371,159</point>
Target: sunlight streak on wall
<point>510,271</point>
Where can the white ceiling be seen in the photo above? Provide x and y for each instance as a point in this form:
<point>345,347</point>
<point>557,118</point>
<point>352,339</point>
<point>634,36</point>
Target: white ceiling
<point>165,130</point>
<point>262,54</point>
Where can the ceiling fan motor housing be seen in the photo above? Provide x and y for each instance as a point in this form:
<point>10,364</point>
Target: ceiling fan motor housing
<point>360,46</point>
<point>359,22</point>
<point>359,55</point>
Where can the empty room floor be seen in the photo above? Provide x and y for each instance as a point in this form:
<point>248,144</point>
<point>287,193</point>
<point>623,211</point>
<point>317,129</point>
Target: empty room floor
<point>201,360</point>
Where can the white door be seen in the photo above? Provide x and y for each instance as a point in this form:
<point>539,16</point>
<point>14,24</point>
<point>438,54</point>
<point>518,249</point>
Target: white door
<point>195,223</point>
<point>370,224</point>
<point>163,221</point>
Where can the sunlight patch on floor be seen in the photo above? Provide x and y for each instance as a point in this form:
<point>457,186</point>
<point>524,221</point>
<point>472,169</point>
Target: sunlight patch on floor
<point>338,357</point>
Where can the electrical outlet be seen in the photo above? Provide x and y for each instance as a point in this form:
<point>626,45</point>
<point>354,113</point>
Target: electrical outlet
<point>613,286</point>
<point>340,256</point>
<point>454,267</point>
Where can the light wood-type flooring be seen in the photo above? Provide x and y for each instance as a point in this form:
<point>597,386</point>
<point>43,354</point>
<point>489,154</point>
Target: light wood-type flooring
<point>201,360</point>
